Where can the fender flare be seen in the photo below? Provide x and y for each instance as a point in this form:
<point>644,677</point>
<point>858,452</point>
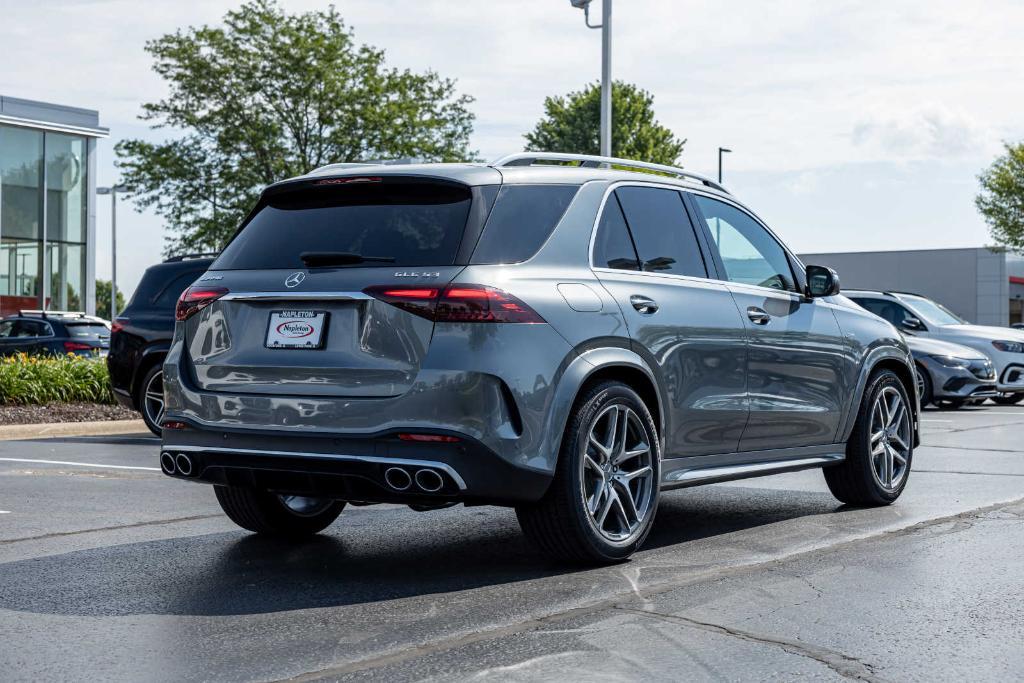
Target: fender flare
<point>158,348</point>
<point>576,374</point>
<point>870,364</point>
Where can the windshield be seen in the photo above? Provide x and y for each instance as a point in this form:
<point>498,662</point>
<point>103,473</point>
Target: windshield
<point>931,311</point>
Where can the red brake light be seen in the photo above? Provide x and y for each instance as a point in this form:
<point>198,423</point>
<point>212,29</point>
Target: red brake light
<point>195,299</point>
<point>76,346</point>
<point>458,303</point>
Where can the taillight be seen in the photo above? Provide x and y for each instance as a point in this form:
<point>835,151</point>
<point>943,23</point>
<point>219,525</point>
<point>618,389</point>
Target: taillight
<point>458,303</point>
<point>76,346</point>
<point>195,299</point>
<point>116,327</point>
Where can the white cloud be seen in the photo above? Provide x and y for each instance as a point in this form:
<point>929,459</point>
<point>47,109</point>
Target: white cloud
<point>928,131</point>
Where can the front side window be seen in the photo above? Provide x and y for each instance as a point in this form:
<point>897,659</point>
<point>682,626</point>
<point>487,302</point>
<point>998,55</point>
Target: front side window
<point>750,254</point>
<point>7,329</point>
<point>661,230</point>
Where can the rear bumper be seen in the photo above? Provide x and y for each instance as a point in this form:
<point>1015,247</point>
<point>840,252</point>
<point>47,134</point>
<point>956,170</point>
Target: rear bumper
<point>352,468</point>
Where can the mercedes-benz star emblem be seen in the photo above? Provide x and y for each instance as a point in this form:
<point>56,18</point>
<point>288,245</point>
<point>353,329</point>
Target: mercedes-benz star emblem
<point>294,280</point>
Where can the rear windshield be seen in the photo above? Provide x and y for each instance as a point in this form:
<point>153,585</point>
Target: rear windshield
<point>87,329</point>
<point>521,221</point>
<point>413,223</point>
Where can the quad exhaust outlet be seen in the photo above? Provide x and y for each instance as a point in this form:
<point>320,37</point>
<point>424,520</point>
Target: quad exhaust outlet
<point>422,480</point>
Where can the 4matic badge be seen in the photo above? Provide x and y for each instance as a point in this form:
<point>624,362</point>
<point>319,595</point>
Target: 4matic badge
<point>413,273</point>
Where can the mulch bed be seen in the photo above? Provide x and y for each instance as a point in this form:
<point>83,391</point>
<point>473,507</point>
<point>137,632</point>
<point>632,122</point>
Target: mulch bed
<point>63,412</point>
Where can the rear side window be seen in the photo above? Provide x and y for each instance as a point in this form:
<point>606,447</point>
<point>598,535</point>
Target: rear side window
<point>86,329</point>
<point>887,310</point>
<point>410,223</point>
<point>521,221</point>
<point>662,231</point>
<point>168,296</point>
<point>613,247</point>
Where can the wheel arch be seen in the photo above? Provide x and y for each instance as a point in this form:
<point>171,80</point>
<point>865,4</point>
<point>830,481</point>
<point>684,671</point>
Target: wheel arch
<point>150,356</point>
<point>596,365</point>
<point>885,358</point>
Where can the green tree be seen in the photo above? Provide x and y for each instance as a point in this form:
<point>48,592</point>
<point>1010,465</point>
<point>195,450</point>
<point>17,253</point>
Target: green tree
<point>1001,200</point>
<point>103,298</point>
<point>268,96</point>
<point>573,123</point>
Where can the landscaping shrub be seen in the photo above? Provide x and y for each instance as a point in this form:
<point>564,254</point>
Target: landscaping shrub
<point>28,379</point>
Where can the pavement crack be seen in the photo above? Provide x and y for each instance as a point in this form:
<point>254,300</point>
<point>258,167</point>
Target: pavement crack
<point>845,665</point>
<point>61,534</point>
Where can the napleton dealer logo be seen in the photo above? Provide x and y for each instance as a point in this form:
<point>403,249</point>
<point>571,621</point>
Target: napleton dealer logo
<point>295,329</point>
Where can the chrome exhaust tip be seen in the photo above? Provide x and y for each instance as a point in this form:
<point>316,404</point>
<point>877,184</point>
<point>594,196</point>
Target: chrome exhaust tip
<point>167,463</point>
<point>184,464</point>
<point>429,480</point>
<point>397,478</point>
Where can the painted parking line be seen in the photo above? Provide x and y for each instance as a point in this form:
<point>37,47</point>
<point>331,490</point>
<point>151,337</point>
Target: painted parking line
<point>5,512</point>
<point>81,464</point>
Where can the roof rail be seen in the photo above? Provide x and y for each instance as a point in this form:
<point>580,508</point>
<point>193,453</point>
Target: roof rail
<point>593,161</point>
<point>896,291</point>
<point>182,257</point>
<point>33,311</point>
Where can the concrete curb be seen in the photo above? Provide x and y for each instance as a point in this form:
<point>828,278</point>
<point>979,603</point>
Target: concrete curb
<point>60,429</point>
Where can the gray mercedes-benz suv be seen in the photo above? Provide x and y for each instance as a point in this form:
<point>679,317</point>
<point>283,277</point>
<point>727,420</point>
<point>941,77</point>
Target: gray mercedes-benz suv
<point>551,332</point>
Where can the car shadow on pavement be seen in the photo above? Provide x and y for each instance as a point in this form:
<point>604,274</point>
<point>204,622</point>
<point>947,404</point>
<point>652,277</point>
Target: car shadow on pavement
<point>367,562</point>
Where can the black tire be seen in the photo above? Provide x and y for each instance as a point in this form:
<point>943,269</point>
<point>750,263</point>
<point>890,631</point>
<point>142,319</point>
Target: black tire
<point>561,524</point>
<point>949,404</point>
<point>265,513</point>
<point>153,376</point>
<point>854,481</point>
<point>1011,400</point>
<point>924,386</point>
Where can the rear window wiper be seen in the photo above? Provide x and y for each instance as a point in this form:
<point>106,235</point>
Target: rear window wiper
<point>315,259</point>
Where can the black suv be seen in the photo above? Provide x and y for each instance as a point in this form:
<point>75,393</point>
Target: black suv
<point>53,332</point>
<point>142,334</point>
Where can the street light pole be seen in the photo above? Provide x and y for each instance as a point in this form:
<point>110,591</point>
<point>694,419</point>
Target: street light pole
<point>112,191</point>
<point>721,150</point>
<point>606,68</point>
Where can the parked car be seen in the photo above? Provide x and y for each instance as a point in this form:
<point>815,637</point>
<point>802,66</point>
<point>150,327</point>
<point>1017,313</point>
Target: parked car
<point>568,340</point>
<point>54,332</point>
<point>1017,326</point>
<point>142,334</point>
<point>951,375</point>
<point>922,317</point>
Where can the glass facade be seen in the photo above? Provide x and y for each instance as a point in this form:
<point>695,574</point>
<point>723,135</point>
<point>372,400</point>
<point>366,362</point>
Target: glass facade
<point>43,200</point>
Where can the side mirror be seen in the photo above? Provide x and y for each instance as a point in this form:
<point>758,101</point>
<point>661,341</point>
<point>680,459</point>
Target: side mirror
<point>821,281</point>
<point>912,324</point>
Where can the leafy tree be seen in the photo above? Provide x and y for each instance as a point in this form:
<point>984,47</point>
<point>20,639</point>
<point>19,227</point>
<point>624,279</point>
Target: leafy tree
<point>1001,200</point>
<point>271,95</point>
<point>573,124</point>
<point>103,298</point>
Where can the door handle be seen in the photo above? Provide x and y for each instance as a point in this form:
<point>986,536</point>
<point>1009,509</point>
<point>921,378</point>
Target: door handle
<point>758,316</point>
<point>643,304</point>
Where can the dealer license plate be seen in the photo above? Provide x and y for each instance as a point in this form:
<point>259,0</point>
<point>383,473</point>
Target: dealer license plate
<point>296,330</point>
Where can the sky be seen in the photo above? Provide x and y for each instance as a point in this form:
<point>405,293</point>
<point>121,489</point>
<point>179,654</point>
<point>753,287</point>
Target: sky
<point>854,126</point>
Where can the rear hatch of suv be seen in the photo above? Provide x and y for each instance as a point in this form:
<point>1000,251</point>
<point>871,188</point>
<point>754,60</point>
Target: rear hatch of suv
<point>327,289</point>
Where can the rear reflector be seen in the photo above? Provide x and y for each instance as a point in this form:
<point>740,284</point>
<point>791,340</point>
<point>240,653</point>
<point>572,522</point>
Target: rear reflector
<point>458,303</point>
<point>173,424</point>
<point>195,299</point>
<point>436,438</point>
<point>76,346</point>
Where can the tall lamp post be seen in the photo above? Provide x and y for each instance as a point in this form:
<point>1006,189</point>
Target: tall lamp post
<point>721,151</point>
<point>112,191</point>
<point>606,67</point>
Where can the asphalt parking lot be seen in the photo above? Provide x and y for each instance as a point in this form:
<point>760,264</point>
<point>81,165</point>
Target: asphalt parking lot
<point>111,571</point>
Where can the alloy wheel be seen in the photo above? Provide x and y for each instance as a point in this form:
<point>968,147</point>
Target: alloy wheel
<point>890,438</point>
<point>153,398</point>
<point>617,477</point>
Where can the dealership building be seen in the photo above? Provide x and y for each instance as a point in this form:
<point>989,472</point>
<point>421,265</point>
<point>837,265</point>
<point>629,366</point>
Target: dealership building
<point>983,286</point>
<point>47,206</point>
